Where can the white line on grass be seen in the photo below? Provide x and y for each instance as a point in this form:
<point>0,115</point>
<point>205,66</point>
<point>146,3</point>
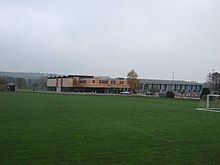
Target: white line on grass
<point>130,127</point>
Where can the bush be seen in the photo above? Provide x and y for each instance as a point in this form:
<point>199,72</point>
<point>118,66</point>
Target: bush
<point>205,92</point>
<point>170,94</point>
<point>2,87</point>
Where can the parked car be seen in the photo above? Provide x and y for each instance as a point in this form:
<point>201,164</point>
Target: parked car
<point>149,93</point>
<point>125,93</point>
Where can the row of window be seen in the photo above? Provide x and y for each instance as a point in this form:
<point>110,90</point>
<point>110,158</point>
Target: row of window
<point>166,86</point>
<point>102,82</point>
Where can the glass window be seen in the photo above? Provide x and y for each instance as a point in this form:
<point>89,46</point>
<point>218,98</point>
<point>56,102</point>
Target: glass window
<point>104,82</point>
<point>82,81</point>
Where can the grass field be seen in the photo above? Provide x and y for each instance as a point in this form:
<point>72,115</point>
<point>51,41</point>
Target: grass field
<point>40,128</point>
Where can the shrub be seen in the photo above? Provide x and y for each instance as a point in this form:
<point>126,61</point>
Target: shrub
<point>170,94</point>
<point>205,92</point>
<point>2,87</point>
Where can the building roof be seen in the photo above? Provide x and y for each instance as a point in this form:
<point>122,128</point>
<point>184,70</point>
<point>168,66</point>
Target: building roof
<point>178,82</point>
<point>85,76</point>
<point>11,84</point>
<point>70,76</point>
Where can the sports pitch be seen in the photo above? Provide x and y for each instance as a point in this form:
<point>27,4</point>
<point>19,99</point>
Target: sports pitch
<point>43,128</point>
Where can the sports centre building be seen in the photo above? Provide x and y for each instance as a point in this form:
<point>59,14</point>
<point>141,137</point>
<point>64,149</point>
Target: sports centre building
<point>80,83</point>
<point>162,86</point>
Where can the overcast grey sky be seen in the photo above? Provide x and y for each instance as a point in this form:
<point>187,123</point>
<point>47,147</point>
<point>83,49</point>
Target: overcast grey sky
<point>111,37</point>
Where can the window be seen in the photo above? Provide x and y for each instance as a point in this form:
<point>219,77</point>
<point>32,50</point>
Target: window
<point>93,81</point>
<point>121,82</point>
<point>112,82</point>
<point>103,81</point>
<point>82,81</point>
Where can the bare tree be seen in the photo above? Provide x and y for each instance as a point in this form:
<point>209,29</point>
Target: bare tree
<point>3,81</point>
<point>133,81</point>
<point>20,82</point>
<point>213,80</point>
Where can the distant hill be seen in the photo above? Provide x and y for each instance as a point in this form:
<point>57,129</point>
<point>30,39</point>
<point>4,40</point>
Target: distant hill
<point>25,75</point>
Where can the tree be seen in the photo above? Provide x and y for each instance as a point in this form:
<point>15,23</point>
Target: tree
<point>214,82</point>
<point>7,79</point>
<point>133,81</point>
<point>42,81</point>
<point>205,92</point>
<point>3,81</point>
<point>20,82</point>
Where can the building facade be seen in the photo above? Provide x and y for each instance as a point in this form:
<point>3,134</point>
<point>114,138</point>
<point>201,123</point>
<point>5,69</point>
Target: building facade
<point>178,87</point>
<point>79,83</point>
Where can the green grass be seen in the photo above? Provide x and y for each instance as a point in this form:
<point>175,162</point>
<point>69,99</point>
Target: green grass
<point>39,128</point>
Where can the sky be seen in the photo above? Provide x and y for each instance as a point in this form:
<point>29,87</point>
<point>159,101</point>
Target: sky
<point>156,38</point>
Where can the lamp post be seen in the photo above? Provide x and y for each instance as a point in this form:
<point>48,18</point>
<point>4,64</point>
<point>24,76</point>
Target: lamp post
<point>173,81</point>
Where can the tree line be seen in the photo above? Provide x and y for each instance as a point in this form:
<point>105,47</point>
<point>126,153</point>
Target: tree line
<point>30,83</point>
